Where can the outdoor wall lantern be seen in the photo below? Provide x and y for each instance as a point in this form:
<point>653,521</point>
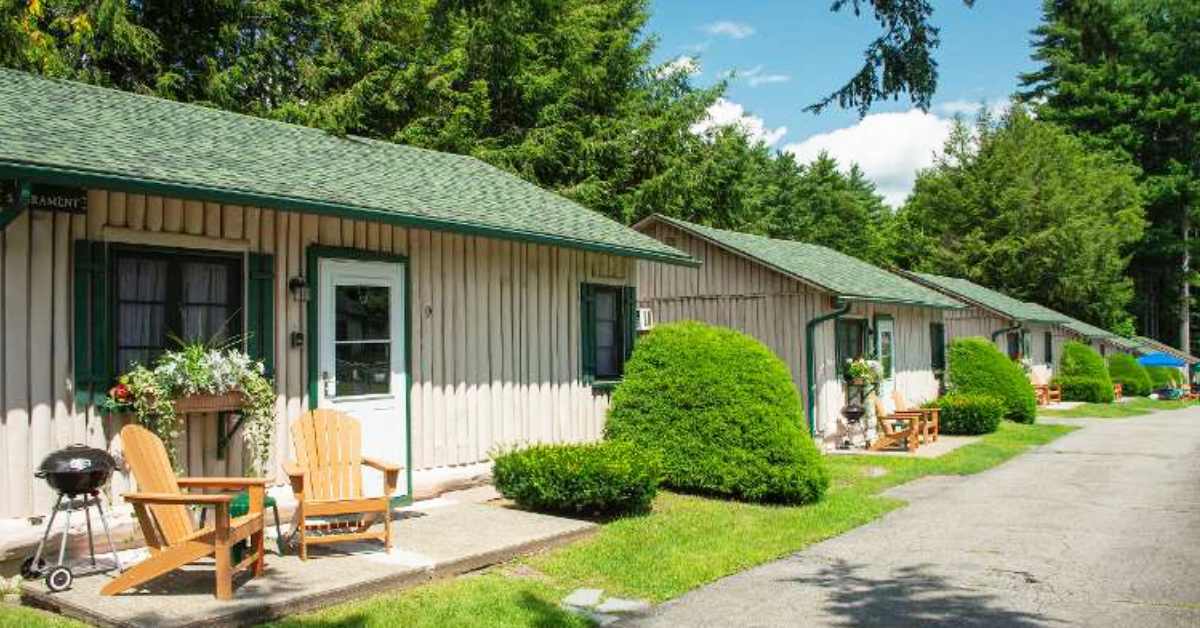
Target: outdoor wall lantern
<point>299,288</point>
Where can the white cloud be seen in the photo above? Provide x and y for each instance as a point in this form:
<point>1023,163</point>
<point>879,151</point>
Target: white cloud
<point>736,30</point>
<point>724,113</point>
<point>888,147</point>
<point>682,63</point>
<point>996,106</point>
<point>754,76</point>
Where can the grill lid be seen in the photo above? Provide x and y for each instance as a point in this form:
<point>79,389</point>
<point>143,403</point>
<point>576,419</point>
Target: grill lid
<point>77,458</point>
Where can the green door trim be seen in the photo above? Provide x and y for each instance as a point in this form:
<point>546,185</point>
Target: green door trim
<point>313,255</point>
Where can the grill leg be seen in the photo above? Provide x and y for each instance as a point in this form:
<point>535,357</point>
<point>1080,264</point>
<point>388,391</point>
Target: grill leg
<point>62,546</point>
<point>87,516</point>
<point>112,546</point>
<point>37,556</point>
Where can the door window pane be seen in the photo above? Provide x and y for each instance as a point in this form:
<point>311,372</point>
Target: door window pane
<point>363,312</point>
<point>362,368</point>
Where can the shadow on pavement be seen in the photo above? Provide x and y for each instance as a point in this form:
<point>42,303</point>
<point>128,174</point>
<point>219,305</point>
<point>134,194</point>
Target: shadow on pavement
<point>909,596</point>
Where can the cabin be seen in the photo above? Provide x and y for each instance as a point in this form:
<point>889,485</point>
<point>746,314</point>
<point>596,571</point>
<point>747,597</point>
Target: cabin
<point>1105,342</point>
<point>450,306</point>
<point>1150,345</point>
<point>814,307</point>
<point>1023,331</point>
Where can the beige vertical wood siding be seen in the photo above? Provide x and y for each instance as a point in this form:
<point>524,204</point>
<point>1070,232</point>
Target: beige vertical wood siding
<point>737,292</point>
<point>974,321</point>
<point>494,352</point>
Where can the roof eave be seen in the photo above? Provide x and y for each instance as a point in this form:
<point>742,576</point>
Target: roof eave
<point>909,302</point>
<point>120,182</point>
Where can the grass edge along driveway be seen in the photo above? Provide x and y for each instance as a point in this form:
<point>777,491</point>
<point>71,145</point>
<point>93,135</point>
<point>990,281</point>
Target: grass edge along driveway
<point>1133,406</point>
<point>687,541</point>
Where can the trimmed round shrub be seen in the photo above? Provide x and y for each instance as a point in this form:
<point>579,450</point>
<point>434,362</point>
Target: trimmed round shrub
<point>722,411</point>
<point>1164,377</point>
<point>976,366</point>
<point>1082,360</point>
<point>593,479</point>
<point>969,413</point>
<point>1133,378</point>
<point>1081,388</point>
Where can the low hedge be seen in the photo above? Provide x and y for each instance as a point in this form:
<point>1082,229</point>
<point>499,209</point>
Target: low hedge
<point>1133,378</point>
<point>1081,388</point>
<point>976,366</point>
<point>595,479</point>
<point>721,409</point>
<point>969,413</point>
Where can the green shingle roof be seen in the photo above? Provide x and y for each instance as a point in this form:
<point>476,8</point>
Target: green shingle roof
<point>990,299</point>
<point>1153,345</point>
<point>1084,329</point>
<point>71,133</point>
<point>841,274</point>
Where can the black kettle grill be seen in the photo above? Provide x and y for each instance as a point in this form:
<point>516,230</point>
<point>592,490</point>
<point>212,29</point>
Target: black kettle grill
<point>77,472</point>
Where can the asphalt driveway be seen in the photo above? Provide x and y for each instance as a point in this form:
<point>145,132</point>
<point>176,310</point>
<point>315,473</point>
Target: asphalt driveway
<point>1100,528</point>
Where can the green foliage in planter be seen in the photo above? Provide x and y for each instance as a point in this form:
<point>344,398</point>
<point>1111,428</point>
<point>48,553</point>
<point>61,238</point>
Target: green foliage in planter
<point>1081,388</point>
<point>969,413</point>
<point>1133,378</point>
<point>722,410</point>
<point>1164,377</point>
<point>596,479</point>
<point>976,366</point>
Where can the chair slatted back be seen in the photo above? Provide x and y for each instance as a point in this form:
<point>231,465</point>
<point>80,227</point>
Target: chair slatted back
<point>147,458</point>
<point>880,415</point>
<point>900,401</point>
<point>328,446</point>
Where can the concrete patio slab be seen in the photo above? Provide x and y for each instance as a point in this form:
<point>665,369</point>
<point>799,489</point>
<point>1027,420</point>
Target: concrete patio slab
<point>943,446</point>
<point>435,539</point>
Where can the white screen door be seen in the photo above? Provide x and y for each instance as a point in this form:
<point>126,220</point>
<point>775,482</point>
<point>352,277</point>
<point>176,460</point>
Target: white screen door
<point>885,348</point>
<point>361,352</point>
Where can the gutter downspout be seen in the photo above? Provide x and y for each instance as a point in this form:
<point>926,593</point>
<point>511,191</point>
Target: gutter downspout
<point>811,368</point>
<point>20,204</point>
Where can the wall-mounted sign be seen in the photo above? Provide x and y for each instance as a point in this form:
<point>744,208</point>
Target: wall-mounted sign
<point>46,198</point>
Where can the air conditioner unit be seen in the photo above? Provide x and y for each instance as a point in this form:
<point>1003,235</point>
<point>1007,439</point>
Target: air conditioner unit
<point>645,319</point>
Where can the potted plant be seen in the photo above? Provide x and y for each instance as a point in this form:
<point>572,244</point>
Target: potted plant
<point>198,378</point>
<point>863,373</point>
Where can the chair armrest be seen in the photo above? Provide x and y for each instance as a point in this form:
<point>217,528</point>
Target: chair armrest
<point>380,464</point>
<point>178,498</point>
<point>238,483</point>
<point>296,478</point>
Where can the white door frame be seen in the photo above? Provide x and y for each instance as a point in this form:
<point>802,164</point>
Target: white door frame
<point>322,264</point>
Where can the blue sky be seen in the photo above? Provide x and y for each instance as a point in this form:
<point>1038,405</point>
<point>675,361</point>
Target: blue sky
<point>789,54</point>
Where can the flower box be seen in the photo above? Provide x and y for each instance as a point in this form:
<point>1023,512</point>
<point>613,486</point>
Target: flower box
<point>210,403</point>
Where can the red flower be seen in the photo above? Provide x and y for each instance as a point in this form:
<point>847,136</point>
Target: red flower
<point>120,393</point>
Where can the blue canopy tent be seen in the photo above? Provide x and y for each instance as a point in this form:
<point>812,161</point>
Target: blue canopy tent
<point>1159,358</point>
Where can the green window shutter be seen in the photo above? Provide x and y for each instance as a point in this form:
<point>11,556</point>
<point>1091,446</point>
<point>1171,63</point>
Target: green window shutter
<point>587,332</point>
<point>260,310</point>
<point>1049,339</point>
<point>93,344</point>
<point>629,297</point>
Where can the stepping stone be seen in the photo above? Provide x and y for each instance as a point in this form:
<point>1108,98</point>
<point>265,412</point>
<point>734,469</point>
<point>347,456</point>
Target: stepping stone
<point>602,619</point>
<point>583,598</point>
<point>620,605</point>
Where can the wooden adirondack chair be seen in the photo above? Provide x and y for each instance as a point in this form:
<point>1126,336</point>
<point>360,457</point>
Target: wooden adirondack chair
<point>327,481</point>
<point>890,434</point>
<point>1118,391</point>
<point>161,509</point>
<point>930,417</point>
<point>1046,393</point>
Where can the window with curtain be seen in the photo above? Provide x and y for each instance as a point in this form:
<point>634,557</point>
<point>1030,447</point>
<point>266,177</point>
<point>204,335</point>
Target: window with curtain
<point>608,317</point>
<point>160,296</point>
<point>1014,345</point>
<point>851,340</point>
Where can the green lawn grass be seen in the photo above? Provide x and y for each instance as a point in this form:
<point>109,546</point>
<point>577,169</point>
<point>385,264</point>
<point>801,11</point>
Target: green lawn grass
<point>685,542</point>
<point>1136,406</point>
